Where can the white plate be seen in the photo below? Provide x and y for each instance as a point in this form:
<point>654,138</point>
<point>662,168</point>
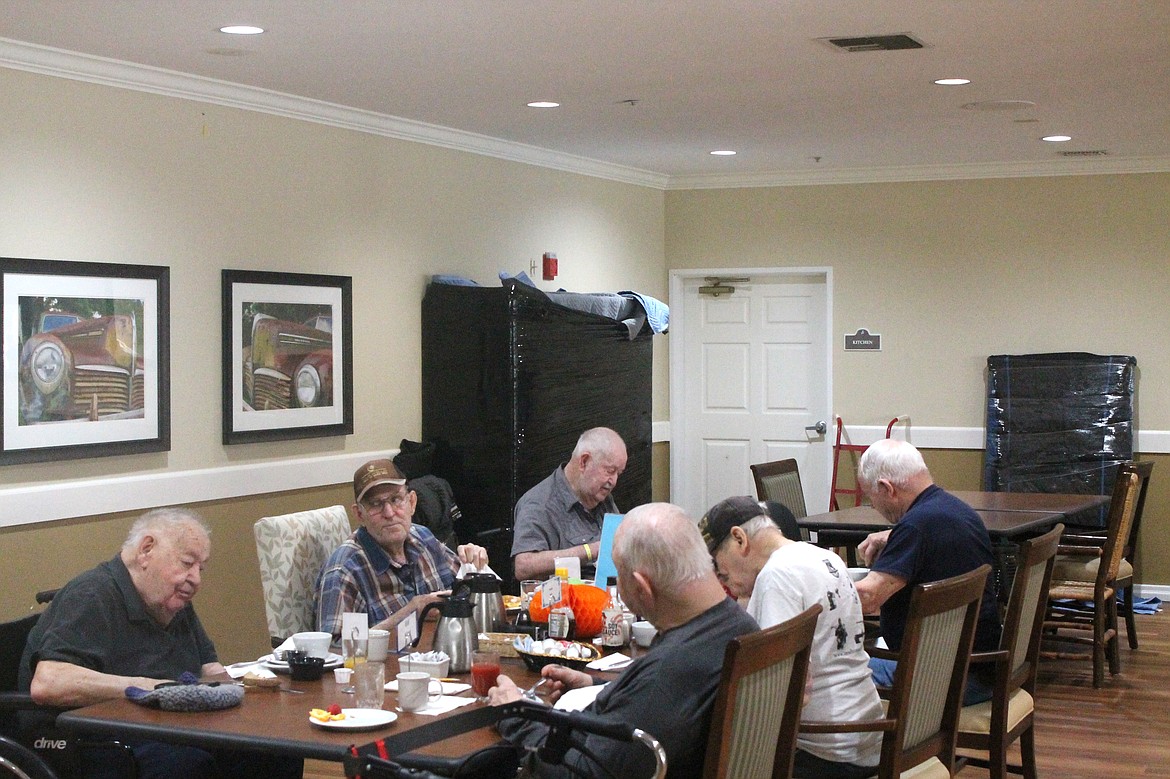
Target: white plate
<point>358,719</point>
<point>331,661</point>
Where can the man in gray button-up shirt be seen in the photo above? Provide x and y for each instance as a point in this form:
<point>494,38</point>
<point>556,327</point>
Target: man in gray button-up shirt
<point>561,516</point>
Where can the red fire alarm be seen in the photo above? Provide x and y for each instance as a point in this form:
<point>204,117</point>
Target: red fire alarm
<point>550,266</point>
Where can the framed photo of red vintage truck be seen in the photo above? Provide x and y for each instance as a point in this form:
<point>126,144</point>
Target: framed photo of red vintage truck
<point>287,356</point>
<point>86,360</point>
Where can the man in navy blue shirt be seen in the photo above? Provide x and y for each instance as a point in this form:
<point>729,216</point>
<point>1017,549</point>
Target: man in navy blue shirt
<point>935,536</point>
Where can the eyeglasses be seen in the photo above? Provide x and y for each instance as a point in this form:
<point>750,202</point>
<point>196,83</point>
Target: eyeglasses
<point>396,501</point>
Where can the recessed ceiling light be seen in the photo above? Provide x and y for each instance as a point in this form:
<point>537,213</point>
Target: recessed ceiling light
<point>1056,138</point>
<point>241,29</point>
<point>543,104</point>
<point>723,153</point>
<point>952,82</point>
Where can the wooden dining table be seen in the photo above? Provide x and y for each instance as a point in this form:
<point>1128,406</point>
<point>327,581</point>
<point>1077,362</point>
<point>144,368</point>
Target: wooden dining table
<point>1006,515</point>
<point>1009,517</point>
<point>278,721</point>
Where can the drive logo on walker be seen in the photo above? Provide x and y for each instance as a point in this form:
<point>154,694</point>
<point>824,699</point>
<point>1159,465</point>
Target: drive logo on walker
<point>50,743</point>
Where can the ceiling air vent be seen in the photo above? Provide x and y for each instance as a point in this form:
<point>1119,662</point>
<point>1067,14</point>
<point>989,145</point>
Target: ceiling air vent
<point>1086,153</point>
<point>875,43</point>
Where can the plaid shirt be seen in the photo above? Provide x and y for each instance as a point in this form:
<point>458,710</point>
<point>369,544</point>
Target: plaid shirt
<point>359,577</point>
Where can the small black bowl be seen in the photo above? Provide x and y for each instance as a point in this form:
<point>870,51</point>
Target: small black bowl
<point>306,669</point>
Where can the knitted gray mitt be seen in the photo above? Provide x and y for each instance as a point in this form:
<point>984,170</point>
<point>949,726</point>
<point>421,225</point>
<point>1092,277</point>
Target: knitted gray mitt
<point>187,694</point>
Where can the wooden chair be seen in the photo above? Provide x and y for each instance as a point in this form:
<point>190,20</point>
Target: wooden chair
<point>1144,469</point>
<point>292,548</point>
<point>993,725</point>
<point>779,480</point>
<point>757,709</point>
<point>1088,572</point>
<point>922,715</point>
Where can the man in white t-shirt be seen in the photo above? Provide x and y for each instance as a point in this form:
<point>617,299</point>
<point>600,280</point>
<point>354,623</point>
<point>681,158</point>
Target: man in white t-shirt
<point>781,578</point>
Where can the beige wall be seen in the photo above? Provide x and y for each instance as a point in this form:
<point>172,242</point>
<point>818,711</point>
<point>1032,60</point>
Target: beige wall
<point>91,173</point>
<point>101,174</point>
<point>947,272</point>
<point>951,272</point>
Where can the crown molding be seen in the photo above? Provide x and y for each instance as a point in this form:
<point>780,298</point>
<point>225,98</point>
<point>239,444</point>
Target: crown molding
<point>909,173</point>
<point>46,60</point>
<point>49,61</point>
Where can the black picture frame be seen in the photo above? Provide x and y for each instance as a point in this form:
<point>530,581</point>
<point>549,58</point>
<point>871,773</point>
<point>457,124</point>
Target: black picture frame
<point>86,360</point>
<point>287,356</point>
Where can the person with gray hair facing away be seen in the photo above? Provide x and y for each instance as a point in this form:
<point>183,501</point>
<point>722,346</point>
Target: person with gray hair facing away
<point>664,574</point>
<point>781,577</point>
<point>130,622</point>
<point>935,536</point>
<point>562,515</point>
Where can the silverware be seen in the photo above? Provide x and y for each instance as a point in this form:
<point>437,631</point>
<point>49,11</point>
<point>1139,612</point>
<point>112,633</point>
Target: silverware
<point>290,689</point>
<point>530,693</point>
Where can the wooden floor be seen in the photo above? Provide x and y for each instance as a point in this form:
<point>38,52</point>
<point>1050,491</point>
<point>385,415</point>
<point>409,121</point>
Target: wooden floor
<point>1120,731</point>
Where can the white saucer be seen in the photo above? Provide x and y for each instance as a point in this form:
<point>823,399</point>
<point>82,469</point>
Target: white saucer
<point>358,719</point>
<point>331,661</point>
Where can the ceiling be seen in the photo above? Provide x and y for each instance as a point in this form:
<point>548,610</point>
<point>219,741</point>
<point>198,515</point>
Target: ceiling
<point>648,88</point>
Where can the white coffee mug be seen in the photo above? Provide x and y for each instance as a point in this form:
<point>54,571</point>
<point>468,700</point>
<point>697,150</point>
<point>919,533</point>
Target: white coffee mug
<point>378,646</point>
<point>643,633</point>
<point>416,689</point>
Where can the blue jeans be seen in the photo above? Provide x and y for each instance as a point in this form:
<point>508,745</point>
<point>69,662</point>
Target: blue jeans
<point>978,689</point>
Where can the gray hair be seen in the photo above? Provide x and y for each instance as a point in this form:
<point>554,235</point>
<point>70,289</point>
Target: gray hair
<point>598,441</point>
<point>663,543</point>
<point>163,522</point>
<point>898,462</point>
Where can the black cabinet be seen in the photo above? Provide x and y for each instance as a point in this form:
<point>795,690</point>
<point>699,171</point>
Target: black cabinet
<point>509,381</point>
<point>1059,422</point>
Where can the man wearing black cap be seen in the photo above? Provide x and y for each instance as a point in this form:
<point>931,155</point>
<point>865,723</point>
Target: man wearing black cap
<point>390,567</point>
<point>781,578</point>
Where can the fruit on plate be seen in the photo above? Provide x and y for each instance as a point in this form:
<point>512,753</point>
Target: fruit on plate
<point>332,714</point>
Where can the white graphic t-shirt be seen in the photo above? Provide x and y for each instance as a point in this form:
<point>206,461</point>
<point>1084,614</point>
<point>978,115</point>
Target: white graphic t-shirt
<point>795,577</point>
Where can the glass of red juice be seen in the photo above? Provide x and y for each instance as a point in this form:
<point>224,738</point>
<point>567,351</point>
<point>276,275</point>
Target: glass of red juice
<point>485,667</point>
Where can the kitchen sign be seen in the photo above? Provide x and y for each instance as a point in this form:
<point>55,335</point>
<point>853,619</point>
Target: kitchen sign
<point>863,341</point>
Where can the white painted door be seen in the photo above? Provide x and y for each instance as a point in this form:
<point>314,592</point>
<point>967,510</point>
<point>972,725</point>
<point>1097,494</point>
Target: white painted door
<point>750,374</point>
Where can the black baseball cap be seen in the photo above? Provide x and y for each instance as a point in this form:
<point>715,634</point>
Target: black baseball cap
<point>717,523</point>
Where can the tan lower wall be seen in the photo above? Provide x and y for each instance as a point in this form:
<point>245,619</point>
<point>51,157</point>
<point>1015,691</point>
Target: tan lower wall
<point>230,604</point>
<point>44,556</point>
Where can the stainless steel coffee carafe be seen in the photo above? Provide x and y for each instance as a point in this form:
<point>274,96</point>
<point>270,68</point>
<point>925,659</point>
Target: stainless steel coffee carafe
<point>488,601</point>
<point>456,633</point>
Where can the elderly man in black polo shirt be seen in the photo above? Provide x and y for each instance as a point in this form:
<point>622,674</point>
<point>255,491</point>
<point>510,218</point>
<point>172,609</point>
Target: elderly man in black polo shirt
<point>129,622</point>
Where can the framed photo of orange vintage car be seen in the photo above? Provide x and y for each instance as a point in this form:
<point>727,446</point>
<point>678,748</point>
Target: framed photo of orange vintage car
<point>287,356</point>
<point>86,360</point>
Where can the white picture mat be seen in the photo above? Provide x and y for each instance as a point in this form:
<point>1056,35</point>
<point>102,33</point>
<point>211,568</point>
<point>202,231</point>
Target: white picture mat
<point>277,419</point>
<point>73,432</point>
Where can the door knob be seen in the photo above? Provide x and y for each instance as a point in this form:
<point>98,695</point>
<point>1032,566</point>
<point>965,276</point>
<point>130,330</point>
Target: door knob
<point>819,428</point>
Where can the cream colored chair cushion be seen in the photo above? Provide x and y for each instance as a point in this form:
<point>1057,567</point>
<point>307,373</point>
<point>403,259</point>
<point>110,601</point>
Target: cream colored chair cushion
<point>977,718</point>
<point>1071,568</point>
<point>931,769</point>
<point>292,548</point>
